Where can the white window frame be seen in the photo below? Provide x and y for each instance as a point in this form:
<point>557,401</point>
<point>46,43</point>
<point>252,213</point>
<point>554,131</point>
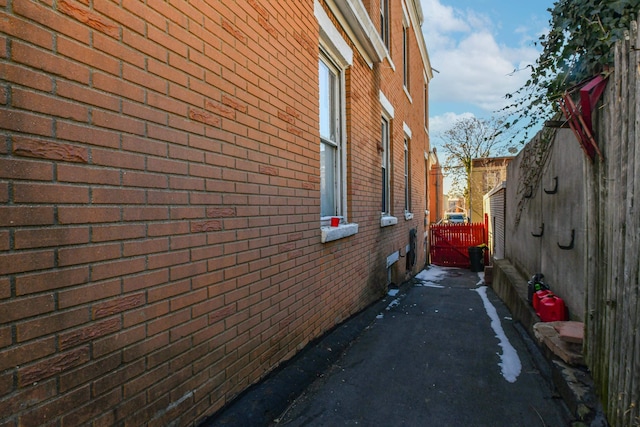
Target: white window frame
<point>334,141</point>
<point>425,106</point>
<point>335,50</point>
<point>384,22</point>
<point>387,218</point>
<point>407,177</point>
<point>406,74</point>
<point>405,58</point>
<point>385,137</point>
<point>407,172</point>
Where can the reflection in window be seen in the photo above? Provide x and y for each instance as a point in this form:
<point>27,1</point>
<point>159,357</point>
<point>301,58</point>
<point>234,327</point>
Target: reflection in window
<point>330,125</point>
<point>385,166</point>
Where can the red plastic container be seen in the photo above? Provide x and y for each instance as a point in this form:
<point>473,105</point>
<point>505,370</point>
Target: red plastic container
<point>551,308</point>
<point>537,296</point>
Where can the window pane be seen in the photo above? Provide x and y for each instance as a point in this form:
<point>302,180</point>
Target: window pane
<point>405,58</point>
<point>327,80</point>
<point>384,22</point>
<point>384,191</point>
<point>327,180</point>
<point>407,181</point>
<point>384,135</point>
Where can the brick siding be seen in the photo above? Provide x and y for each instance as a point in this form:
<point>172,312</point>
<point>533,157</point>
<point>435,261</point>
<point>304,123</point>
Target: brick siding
<point>159,179</point>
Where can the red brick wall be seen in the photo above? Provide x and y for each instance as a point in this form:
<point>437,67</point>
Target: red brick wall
<point>409,110</point>
<point>159,227</point>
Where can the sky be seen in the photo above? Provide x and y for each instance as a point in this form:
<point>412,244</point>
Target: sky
<point>475,46</point>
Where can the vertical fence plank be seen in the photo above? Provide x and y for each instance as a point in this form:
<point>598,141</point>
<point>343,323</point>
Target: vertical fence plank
<point>629,382</point>
<point>612,344</point>
<point>634,274</point>
<point>619,331</point>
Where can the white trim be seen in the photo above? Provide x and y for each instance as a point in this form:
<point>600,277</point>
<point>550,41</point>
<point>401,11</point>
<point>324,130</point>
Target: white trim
<point>406,21</point>
<point>393,258</point>
<point>495,189</point>
<point>354,19</point>
<point>406,92</point>
<point>416,16</point>
<point>391,64</point>
<point>387,107</point>
<point>330,36</point>
<point>407,130</point>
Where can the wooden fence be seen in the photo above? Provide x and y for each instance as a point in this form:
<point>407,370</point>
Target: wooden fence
<point>450,243</point>
<point>612,338</point>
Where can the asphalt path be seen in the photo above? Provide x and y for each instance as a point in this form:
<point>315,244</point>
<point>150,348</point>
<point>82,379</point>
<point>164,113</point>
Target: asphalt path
<point>442,352</point>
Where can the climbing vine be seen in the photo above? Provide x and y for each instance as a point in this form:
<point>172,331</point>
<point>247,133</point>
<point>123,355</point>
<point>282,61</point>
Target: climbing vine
<point>579,45</point>
<point>534,158</point>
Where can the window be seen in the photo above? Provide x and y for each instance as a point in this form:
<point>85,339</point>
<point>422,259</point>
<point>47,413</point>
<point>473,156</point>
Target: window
<point>426,184</point>
<point>386,219</point>
<point>335,57</point>
<point>407,177</point>
<point>425,106</point>
<point>384,22</point>
<point>386,210</point>
<point>330,136</point>
<point>405,56</point>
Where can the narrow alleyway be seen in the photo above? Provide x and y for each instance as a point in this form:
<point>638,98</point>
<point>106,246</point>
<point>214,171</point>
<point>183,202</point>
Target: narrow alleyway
<point>441,352</point>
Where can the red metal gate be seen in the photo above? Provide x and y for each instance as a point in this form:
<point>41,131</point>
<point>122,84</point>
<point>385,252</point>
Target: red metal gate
<point>450,243</point>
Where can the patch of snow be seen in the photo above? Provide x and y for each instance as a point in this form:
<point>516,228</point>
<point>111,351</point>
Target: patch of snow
<point>510,364</point>
<point>481,276</point>
<point>393,292</point>
<point>393,303</point>
<point>380,316</point>
<point>433,274</point>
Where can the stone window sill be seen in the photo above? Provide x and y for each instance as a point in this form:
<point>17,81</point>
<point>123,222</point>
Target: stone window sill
<point>387,220</point>
<point>340,232</point>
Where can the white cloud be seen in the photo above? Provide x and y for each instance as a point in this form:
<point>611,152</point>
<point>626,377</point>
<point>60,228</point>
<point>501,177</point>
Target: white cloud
<point>442,123</point>
<point>473,67</point>
<point>443,18</point>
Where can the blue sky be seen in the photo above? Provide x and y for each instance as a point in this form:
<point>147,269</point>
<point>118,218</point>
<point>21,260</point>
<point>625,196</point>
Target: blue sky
<point>476,45</point>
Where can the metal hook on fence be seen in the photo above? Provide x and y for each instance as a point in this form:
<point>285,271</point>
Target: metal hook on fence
<point>541,231</point>
<point>529,192</point>
<point>570,245</point>
<point>555,186</point>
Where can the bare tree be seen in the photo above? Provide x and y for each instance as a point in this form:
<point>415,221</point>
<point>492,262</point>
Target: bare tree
<point>469,138</point>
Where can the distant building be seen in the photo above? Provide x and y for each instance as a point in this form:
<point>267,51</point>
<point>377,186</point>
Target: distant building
<point>436,191</point>
<point>454,204</point>
<point>486,173</point>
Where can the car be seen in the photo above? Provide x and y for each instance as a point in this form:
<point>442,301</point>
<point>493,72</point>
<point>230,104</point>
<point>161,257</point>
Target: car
<point>455,218</point>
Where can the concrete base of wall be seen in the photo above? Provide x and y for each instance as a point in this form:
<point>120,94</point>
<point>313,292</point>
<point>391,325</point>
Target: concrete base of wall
<point>574,384</point>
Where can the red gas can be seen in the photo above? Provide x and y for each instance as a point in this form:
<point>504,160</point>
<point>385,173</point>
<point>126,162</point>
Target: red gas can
<point>537,296</point>
<point>551,308</point>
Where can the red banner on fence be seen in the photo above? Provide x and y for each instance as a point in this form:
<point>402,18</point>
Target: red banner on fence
<point>450,243</point>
